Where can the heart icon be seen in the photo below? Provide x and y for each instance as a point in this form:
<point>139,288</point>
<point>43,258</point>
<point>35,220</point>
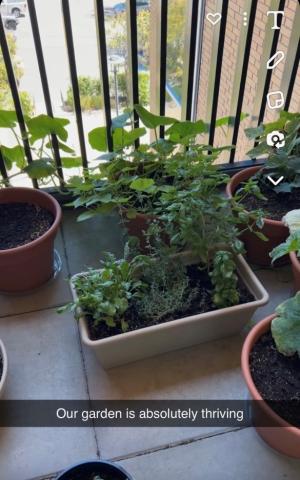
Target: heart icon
<point>214,18</point>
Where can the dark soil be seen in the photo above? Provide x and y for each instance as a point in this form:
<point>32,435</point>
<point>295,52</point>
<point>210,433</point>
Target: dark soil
<point>202,303</point>
<point>277,378</point>
<point>21,223</point>
<point>276,205</point>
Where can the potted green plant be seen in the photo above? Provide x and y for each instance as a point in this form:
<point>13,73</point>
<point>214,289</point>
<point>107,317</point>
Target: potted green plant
<point>133,179</point>
<point>270,365</point>
<point>29,218</point>
<point>3,367</point>
<point>144,305</point>
<point>282,192</point>
<point>95,470</point>
<point>291,246</point>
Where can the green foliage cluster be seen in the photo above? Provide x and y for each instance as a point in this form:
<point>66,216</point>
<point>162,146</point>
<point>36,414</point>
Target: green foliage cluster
<point>285,326</point>
<point>224,279</point>
<point>104,294</point>
<point>156,285</point>
<point>284,161</point>
<point>90,90</point>
<point>39,131</point>
<point>136,178</point>
<point>292,243</point>
<point>177,181</point>
<point>90,94</point>
<point>165,279</point>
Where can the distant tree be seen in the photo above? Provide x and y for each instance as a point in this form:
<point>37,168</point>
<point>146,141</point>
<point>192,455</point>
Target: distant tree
<point>117,38</point>
<point>6,101</point>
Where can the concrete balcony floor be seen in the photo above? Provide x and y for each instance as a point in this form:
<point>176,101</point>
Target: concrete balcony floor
<point>47,361</point>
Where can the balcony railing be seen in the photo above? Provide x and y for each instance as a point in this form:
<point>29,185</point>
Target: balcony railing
<point>192,69</point>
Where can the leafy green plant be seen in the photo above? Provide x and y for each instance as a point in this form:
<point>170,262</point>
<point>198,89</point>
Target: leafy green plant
<point>135,178</point>
<point>39,130</point>
<point>165,279</point>
<point>285,326</point>
<point>292,243</point>
<point>224,279</point>
<point>90,94</point>
<point>200,219</point>
<point>104,294</point>
<point>283,161</point>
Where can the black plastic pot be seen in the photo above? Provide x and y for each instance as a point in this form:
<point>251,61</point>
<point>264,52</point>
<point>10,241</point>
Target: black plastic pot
<point>110,470</point>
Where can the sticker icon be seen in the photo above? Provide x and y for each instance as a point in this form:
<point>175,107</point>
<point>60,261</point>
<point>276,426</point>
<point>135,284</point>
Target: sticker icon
<point>214,18</point>
<point>275,99</point>
<point>276,139</point>
<point>275,60</point>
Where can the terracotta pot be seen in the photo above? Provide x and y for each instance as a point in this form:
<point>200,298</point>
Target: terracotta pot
<point>110,470</point>
<point>4,369</point>
<point>178,333</point>
<point>29,266</point>
<point>258,251</point>
<point>296,270</point>
<point>281,436</point>
<point>136,226</point>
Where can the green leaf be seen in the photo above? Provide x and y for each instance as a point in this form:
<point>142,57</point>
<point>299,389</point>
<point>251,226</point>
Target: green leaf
<point>41,168</point>
<point>253,133</point>
<point>121,121</point>
<point>71,162</point>
<point>285,326</point>
<point>131,213</point>
<point>41,126</point>
<point>224,121</point>
<point>292,244</point>
<point>14,155</point>
<point>260,149</point>
<point>187,128</point>
<point>98,139</point>
<point>86,215</point>
<point>62,146</point>
<point>152,121</point>
<point>261,236</point>
<point>122,138</point>
<point>8,119</point>
<point>142,184</point>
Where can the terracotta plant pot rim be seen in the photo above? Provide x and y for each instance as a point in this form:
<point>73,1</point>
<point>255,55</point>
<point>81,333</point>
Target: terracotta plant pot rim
<point>295,260</point>
<point>4,367</point>
<point>257,331</point>
<point>230,192</point>
<point>52,229</point>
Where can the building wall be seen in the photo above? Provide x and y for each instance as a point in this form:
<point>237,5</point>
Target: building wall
<point>234,29</point>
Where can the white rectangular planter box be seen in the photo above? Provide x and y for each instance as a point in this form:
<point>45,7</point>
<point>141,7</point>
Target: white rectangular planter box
<point>184,332</point>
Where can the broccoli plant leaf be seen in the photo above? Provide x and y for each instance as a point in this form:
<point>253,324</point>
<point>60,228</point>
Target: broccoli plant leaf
<point>285,326</point>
